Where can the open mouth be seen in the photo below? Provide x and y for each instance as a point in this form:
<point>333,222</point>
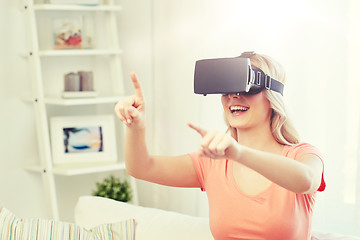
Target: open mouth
<point>238,109</point>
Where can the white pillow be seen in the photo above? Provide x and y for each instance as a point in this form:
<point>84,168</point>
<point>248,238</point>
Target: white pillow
<point>151,223</point>
<point>14,228</point>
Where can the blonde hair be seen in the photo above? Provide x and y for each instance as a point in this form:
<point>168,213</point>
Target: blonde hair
<point>282,129</point>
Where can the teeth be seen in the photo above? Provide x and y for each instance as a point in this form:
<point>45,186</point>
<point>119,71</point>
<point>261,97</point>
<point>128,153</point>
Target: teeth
<point>238,108</point>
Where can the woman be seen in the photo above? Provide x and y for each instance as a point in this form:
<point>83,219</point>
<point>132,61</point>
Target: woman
<point>260,182</point>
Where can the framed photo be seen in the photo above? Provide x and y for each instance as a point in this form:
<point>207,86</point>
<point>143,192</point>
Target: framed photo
<point>83,139</point>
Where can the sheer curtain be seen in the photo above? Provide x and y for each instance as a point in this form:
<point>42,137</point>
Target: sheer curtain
<point>317,43</point>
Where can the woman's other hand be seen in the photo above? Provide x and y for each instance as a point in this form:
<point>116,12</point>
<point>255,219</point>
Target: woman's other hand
<point>217,145</point>
<point>131,110</point>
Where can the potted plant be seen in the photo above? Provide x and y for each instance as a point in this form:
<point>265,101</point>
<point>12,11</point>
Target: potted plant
<point>113,188</point>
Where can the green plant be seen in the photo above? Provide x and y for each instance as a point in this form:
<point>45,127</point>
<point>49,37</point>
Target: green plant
<point>114,188</point>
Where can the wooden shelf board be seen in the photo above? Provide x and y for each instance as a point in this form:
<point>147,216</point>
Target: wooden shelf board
<point>80,169</point>
<point>55,7</point>
<point>78,101</point>
<point>79,52</point>
<point>81,101</point>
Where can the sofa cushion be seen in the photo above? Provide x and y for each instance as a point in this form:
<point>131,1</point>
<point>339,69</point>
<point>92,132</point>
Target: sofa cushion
<point>14,228</point>
<point>151,223</point>
<point>332,236</point>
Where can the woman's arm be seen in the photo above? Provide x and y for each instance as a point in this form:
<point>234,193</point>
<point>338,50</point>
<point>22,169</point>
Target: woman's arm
<point>176,171</point>
<point>172,171</point>
<point>301,176</point>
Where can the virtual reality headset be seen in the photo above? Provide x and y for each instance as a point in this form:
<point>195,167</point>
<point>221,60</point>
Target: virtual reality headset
<point>232,75</point>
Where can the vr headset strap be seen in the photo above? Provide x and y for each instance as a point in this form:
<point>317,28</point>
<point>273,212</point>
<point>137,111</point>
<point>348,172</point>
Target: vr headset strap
<point>247,54</point>
<point>276,86</point>
<point>266,81</point>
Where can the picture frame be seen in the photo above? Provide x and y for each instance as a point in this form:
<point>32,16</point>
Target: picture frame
<point>83,139</point>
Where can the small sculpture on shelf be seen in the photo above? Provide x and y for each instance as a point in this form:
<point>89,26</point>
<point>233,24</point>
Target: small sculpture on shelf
<point>72,82</point>
<point>113,188</point>
<point>78,85</point>
<point>68,34</point>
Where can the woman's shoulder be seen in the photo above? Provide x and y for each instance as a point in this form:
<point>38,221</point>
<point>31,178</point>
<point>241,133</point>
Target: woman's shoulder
<point>300,149</point>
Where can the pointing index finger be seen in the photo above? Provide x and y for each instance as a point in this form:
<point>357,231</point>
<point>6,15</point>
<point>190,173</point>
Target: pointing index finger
<point>201,131</point>
<point>137,86</point>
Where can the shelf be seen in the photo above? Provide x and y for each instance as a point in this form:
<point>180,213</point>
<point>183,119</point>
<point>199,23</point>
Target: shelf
<point>82,101</point>
<point>54,7</point>
<point>80,169</point>
<point>47,66</point>
<point>79,101</point>
<point>79,52</point>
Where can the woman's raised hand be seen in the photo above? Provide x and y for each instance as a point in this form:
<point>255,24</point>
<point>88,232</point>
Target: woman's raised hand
<point>217,145</point>
<point>131,110</point>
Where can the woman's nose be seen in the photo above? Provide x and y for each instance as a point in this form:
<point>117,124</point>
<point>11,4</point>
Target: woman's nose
<point>233,95</point>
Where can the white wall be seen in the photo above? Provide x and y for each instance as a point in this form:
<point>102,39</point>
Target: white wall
<point>17,141</point>
<point>316,41</point>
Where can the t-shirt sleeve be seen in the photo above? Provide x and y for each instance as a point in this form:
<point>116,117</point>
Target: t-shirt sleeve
<point>305,148</point>
<point>199,168</point>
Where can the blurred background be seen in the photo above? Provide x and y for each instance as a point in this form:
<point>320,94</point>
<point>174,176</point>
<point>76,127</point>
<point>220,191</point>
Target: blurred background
<point>317,42</point>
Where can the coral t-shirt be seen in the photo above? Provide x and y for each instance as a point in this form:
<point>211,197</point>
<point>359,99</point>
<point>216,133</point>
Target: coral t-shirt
<point>273,214</point>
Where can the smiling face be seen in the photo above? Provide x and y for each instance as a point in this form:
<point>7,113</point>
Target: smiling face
<point>246,111</point>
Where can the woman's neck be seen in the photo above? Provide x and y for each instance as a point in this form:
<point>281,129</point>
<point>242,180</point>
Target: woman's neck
<point>259,138</point>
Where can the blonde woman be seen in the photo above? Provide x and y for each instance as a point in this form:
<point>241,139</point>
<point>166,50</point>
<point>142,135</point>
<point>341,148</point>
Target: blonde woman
<point>260,181</point>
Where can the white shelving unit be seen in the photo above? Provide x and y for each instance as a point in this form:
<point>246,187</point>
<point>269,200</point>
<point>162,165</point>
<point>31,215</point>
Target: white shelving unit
<point>47,67</point>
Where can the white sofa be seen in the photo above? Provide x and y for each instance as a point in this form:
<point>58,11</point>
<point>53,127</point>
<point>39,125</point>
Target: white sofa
<point>153,223</point>
<point>104,219</point>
